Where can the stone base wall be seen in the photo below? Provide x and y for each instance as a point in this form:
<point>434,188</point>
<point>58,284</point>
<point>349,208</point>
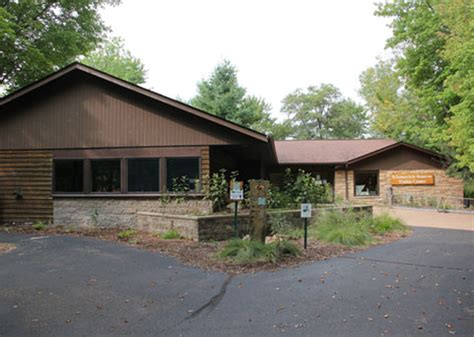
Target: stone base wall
<point>444,186</point>
<point>221,227</point>
<point>199,228</point>
<point>117,212</point>
<point>186,226</point>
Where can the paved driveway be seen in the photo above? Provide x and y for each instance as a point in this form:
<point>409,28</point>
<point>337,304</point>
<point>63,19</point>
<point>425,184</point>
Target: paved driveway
<point>65,286</point>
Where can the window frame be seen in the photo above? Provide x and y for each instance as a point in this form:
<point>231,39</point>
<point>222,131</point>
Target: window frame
<point>166,187</point>
<point>124,192</point>
<point>377,172</point>
<point>160,183</point>
<point>84,189</point>
<point>121,172</point>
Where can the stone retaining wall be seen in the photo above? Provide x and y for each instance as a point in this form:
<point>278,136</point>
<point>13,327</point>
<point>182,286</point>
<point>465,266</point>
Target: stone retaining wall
<point>220,226</point>
<point>122,212</point>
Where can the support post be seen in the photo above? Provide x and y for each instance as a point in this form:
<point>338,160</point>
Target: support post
<point>236,228</point>
<point>305,233</point>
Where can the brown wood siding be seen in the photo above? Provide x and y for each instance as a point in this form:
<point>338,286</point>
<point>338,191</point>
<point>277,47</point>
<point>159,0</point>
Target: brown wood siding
<point>144,152</point>
<point>30,174</point>
<point>81,111</point>
<point>400,158</point>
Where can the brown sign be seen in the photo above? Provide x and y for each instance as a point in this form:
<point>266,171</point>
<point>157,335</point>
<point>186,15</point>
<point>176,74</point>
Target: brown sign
<point>412,178</point>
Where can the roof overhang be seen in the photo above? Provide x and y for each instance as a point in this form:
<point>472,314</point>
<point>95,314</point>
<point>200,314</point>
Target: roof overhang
<point>395,145</point>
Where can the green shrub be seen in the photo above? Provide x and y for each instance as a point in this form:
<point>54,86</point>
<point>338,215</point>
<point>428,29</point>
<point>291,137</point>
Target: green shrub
<point>218,190</point>
<point>344,227</point>
<point>298,188</point>
<point>385,223</point>
<point>248,251</point>
<point>39,225</point>
<point>126,234</point>
<point>171,235</point>
<point>307,188</point>
<point>180,185</point>
<point>278,198</point>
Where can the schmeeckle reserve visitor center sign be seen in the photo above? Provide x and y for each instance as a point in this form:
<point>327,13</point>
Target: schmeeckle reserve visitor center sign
<point>412,178</point>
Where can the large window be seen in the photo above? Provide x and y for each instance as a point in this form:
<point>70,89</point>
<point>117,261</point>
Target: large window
<point>144,175</point>
<point>134,175</point>
<point>68,176</point>
<point>366,183</point>
<point>105,175</point>
<point>182,173</point>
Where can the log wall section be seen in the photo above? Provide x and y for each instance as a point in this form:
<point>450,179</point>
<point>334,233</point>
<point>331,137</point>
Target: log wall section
<point>26,181</point>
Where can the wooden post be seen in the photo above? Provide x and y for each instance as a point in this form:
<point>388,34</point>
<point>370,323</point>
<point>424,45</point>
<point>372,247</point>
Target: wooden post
<point>258,208</point>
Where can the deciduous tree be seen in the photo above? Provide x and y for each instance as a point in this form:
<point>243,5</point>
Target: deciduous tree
<point>433,46</point>
<point>38,37</point>
<point>321,112</point>
<point>113,58</point>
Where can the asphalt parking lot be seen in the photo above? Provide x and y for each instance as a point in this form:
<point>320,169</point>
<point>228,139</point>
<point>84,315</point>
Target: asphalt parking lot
<point>422,285</point>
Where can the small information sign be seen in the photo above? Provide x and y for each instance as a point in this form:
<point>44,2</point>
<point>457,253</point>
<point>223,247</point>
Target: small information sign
<point>237,191</point>
<point>236,195</point>
<point>306,210</point>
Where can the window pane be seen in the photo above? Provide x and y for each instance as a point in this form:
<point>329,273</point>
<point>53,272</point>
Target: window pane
<point>68,176</point>
<point>105,175</point>
<point>366,183</point>
<point>182,173</point>
<point>144,175</point>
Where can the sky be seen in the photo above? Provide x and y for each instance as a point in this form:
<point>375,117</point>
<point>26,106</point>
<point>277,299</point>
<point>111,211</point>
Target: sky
<point>277,46</point>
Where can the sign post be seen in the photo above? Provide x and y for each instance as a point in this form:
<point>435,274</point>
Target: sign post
<point>236,194</point>
<point>306,214</point>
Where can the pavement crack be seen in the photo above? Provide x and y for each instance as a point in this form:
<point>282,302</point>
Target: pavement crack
<point>210,305</point>
<point>405,263</point>
<point>214,301</point>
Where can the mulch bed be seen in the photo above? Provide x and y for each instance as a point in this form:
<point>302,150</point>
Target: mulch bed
<point>203,254</point>
<point>6,247</point>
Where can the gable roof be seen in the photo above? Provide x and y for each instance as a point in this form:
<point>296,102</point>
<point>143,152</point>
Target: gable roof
<point>336,151</point>
<point>135,88</point>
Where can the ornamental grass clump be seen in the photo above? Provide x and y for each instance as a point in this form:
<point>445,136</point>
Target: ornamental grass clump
<point>126,234</point>
<point>384,223</point>
<point>343,227</point>
<point>249,251</point>
<point>39,226</point>
<point>351,228</point>
<point>171,235</point>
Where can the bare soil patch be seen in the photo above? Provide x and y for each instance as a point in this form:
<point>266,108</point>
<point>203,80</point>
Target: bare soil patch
<point>203,254</point>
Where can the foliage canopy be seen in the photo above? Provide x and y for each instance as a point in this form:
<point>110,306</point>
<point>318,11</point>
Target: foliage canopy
<point>113,58</point>
<point>39,37</point>
<point>321,112</point>
<point>425,95</point>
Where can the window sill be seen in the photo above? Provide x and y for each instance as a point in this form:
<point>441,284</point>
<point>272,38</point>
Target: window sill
<point>366,196</point>
<point>125,195</point>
